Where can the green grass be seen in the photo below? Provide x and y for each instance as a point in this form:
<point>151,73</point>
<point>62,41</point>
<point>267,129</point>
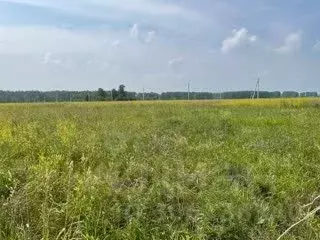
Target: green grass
<point>160,170</point>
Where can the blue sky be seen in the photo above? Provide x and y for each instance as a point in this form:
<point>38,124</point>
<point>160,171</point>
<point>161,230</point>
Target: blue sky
<point>159,45</point>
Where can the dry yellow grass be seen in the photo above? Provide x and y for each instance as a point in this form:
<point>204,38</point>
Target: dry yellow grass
<point>272,102</point>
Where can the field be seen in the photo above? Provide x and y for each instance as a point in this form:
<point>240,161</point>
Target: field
<point>222,170</point>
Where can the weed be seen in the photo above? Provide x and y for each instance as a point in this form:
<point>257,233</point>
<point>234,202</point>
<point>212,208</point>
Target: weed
<point>233,169</point>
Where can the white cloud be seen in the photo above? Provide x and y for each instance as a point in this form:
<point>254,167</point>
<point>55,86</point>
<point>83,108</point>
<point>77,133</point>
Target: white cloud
<point>176,66</point>
<point>151,36</point>
<point>46,57</point>
<point>49,58</point>
<point>239,38</point>
<point>24,40</point>
<point>316,46</point>
<point>292,43</point>
<point>134,31</point>
<point>145,7</point>
<point>175,61</point>
<point>157,13</point>
<point>69,58</point>
<point>116,44</point>
<point>253,39</point>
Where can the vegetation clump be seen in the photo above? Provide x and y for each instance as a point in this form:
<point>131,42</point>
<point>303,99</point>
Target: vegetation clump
<point>232,169</point>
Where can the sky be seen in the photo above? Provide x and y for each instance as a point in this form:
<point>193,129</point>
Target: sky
<point>160,45</point>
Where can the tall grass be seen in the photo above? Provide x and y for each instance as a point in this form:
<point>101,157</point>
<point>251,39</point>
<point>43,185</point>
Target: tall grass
<point>159,170</point>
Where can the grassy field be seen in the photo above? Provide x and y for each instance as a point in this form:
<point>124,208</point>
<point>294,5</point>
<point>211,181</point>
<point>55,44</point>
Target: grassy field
<point>160,170</point>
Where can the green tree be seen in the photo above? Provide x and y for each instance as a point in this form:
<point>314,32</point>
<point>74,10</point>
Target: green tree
<point>114,94</point>
<point>122,93</point>
<point>102,95</point>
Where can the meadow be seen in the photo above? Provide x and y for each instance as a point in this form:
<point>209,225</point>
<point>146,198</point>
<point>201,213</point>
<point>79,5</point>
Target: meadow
<point>225,170</point>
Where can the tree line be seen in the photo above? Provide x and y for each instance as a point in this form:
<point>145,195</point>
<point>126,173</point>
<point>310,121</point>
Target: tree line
<point>121,94</point>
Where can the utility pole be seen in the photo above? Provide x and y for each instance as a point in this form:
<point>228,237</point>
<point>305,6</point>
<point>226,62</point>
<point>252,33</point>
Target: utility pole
<point>258,88</point>
<point>189,91</point>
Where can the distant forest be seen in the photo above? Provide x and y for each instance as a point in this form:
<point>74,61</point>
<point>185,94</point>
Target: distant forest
<point>122,95</point>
